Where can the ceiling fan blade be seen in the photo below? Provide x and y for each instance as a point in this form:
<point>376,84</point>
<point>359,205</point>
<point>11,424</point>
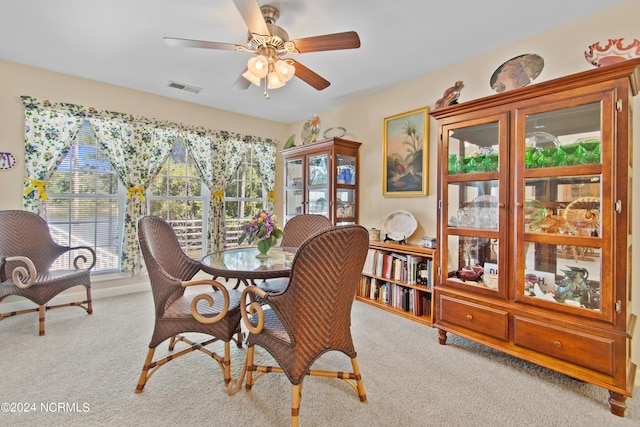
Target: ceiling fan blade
<point>337,41</point>
<point>170,41</point>
<point>250,11</point>
<point>308,76</point>
<point>241,83</point>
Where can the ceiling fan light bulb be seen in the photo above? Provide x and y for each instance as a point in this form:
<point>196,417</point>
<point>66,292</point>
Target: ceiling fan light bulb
<point>258,66</point>
<point>284,70</point>
<point>274,82</point>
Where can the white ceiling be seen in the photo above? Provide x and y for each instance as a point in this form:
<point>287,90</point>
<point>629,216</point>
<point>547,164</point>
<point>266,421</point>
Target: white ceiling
<point>120,42</point>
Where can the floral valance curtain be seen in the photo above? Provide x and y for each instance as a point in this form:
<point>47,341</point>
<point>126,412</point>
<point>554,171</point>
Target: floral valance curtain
<point>136,147</point>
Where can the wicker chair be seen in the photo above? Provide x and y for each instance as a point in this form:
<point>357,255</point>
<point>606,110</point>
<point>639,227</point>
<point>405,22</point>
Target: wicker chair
<point>312,316</point>
<point>27,253</point>
<point>170,272</point>
<point>296,231</point>
<point>301,227</point>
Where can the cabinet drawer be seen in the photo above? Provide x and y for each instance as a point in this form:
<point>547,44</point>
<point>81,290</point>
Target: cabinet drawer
<point>488,321</point>
<point>590,351</point>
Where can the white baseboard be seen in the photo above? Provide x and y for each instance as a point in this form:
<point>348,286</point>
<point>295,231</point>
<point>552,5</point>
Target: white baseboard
<point>100,288</point>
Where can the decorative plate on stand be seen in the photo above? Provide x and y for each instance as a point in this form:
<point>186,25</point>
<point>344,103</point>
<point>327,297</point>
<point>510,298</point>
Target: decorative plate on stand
<point>399,225</point>
<point>612,51</point>
<point>517,72</point>
<point>310,130</point>
<point>335,132</point>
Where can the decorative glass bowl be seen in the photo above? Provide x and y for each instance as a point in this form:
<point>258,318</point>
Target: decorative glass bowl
<point>612,51</point>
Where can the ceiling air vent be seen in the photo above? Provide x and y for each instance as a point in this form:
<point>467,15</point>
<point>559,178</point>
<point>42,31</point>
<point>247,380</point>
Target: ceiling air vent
<point>184,87</point>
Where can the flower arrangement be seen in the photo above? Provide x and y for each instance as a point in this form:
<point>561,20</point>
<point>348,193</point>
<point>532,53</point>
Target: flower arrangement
<point>262,227</point>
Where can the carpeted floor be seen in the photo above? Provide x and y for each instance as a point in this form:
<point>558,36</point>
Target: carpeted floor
<point>85,370</point>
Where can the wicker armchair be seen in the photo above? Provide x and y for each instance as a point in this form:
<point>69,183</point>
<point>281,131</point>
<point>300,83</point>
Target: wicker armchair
<point>311,316</point>
<point>170,272</point>
<point>27,253</point>
<point>296,231</point>
<point>301,227</point>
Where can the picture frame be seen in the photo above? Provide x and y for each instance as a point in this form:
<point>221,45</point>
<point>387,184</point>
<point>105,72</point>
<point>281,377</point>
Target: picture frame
<point>405,154</point>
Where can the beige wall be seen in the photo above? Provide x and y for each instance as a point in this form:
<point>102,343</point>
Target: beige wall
<point>561,48</point>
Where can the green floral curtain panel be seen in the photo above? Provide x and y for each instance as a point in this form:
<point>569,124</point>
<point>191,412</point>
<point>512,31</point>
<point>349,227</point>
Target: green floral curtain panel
<point>217,156</point>
<point>48,134</point>
<point>137,150</point>
<point>136,147</point>
<point>266,156</point>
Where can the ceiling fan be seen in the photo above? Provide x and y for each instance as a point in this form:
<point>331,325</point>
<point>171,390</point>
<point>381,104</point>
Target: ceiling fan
<point>269,43</point>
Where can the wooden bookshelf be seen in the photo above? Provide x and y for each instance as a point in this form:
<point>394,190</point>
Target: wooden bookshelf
<point>404,288</point>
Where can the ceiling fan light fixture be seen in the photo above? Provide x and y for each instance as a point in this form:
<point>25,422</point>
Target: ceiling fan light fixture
<point>258,66</point>
<point>253,79</point>
<point>284,70</point>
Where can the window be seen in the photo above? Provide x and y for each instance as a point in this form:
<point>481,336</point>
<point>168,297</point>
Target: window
<point>86,202</point>
<point>83,206</point>
<point>179,196</point>
<point>244,197</point>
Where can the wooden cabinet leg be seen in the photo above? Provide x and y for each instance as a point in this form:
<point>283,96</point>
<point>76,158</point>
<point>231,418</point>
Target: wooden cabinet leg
<point>443,336</point>
<point>618,404</point>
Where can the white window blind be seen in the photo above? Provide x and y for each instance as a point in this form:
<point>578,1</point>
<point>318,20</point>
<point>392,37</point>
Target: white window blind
<point>83,206</point>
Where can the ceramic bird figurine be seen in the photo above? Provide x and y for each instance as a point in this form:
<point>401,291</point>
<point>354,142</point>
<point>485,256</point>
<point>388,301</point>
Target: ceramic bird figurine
<point>450,96</point>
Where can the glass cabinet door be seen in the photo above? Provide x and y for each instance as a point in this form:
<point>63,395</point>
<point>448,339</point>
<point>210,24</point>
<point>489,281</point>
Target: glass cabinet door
<point>318,184</point>
<point>472,213</point>
<point>346,203</point>
<point>294,200</point>
<point>561,215</point>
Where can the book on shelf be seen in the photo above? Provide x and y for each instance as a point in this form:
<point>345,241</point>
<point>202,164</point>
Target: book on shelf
<point>370,262</point>
<point>398,269</point>
<point>405,299</point>
<point>412,268</point>
<point>379,258</point>
<point>426,305</point>
<point>387,266</point>
<point>399,256</point>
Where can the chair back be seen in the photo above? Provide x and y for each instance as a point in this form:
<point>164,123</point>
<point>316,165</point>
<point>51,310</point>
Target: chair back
<point>301,227</point>
<point>27,234</point>
<point>167,264</point>
<point>316,306</point>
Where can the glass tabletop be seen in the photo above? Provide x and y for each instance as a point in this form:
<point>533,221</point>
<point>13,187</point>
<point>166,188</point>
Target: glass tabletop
<point>243,263</point>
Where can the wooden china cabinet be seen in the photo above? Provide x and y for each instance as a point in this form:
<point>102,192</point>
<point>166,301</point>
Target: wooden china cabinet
<point>322,178</point>
<point>534,223</point>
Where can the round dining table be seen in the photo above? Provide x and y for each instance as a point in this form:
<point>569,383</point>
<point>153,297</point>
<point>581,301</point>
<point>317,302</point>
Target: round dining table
<point>243,264</point>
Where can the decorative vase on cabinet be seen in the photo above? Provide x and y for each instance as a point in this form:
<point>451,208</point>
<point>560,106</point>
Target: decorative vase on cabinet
<point>534,195</point>
<point>322,178</point>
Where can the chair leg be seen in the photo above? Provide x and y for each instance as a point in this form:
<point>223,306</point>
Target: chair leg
<point>89,302</point>
<point>41,311</point>
<point>226,362</point>
<point>296,394</point>
<point>249,363</point>
<point>356,370</point>
<point>172,342</point>
<point>145,370</point>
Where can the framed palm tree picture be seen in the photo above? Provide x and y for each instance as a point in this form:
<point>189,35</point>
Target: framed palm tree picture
<point>405,154</point>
